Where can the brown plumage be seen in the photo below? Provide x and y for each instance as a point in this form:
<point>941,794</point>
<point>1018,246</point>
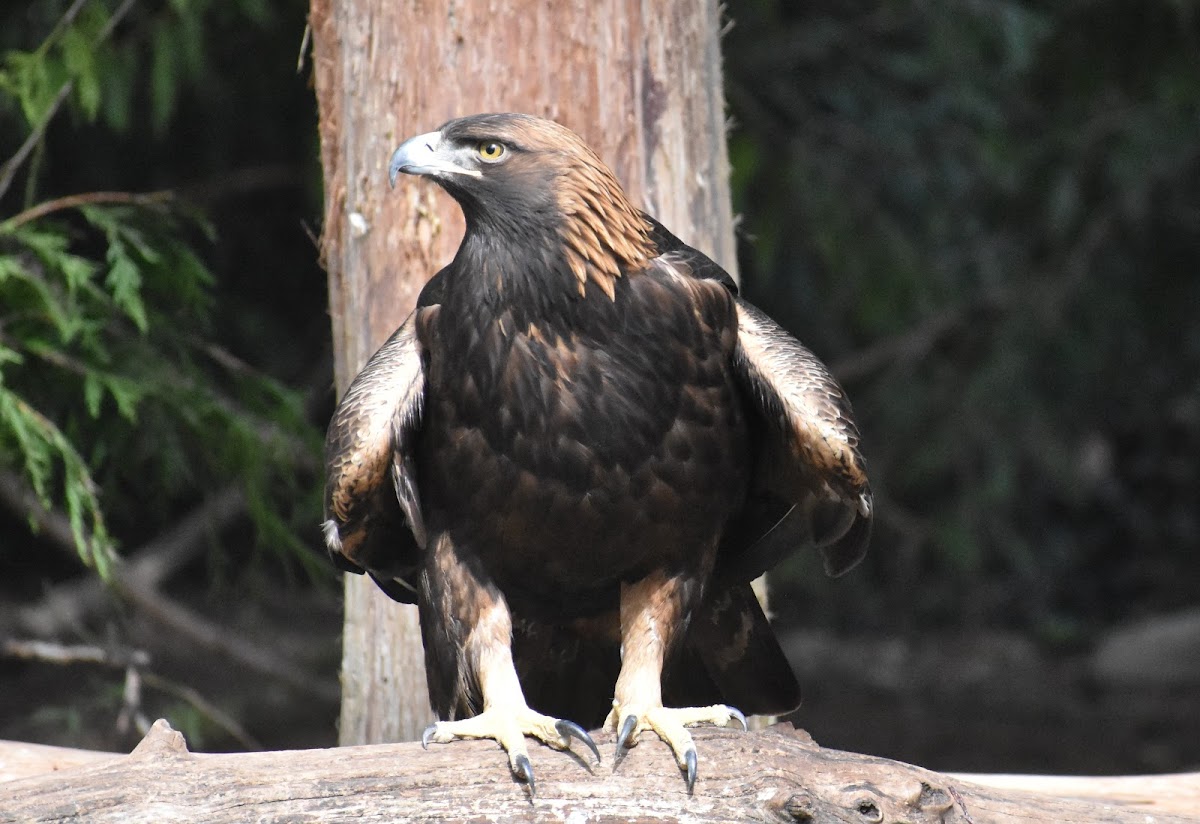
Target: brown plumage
<point>577,453</point>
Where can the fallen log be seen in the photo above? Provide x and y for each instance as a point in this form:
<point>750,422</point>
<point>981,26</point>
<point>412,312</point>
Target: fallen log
<point>778,774</point>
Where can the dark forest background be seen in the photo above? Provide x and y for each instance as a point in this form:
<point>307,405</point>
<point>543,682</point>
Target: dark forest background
<point>984,216</point>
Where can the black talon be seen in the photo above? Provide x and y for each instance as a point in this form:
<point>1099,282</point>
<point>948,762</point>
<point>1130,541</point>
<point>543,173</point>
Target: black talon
<point>427,735</point>
<point>626,730</point>
<point>739,717</point>
<point>569,729</point>
<point>689,758</point>
<point>524,771</point>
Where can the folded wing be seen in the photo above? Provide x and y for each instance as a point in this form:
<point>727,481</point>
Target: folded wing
<point>811,480</point>
<point>369,468</point>
<point>810,484</point>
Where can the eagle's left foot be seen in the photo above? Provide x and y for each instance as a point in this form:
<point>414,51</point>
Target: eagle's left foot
<point>670,724</point>
<point>509,726</point>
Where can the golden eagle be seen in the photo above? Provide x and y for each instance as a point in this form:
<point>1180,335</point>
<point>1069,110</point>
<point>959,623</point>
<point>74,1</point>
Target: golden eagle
<point>576,454</point>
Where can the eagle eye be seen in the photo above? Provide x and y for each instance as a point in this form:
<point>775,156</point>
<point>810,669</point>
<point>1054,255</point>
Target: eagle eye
<point>490,150</point>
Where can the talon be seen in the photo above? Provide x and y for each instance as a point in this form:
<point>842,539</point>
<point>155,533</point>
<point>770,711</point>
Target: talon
<point>508,726</point>
<point>523,770</point>
<point>569,730</point>
<point>689,759</point>
<point>627,728</point>
<point>738,716</point>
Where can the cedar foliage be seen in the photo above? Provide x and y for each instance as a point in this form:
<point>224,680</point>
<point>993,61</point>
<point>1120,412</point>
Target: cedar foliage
<point>116,393</point>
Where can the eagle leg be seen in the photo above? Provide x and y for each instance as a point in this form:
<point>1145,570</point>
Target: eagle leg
<point>485,656</point>
<point>651,615</point>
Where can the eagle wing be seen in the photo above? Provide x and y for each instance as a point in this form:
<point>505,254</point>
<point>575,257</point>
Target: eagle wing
<point>810,481</point>
<point>369,468</point>
<point>808,487</point>
<point>809,468</point>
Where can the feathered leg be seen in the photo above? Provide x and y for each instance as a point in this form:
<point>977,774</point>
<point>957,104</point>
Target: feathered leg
<point>652,616</point>
<point>462,668</point>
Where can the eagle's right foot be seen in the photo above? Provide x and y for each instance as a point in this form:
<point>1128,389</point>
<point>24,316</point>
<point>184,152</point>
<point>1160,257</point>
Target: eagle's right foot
<point>669,724</point>
<point>508,726</point>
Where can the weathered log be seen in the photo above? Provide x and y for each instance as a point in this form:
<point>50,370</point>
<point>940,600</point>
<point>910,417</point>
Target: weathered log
<point>775,775</point>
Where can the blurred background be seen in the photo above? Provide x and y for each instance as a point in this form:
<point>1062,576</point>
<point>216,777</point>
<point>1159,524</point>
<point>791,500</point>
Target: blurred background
<point>985,217</point>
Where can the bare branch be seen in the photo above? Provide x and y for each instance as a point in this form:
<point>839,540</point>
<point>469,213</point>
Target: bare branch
<point>218,639</point>
<point>86,199</point>
<point>137,582</point>
<point>9,170</point>
<point>52,653</point>
<point>133,661</point>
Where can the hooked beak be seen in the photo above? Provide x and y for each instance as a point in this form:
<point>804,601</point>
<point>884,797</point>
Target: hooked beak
<point>425,154</point>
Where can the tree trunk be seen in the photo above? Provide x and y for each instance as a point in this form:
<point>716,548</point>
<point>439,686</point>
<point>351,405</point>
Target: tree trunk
<point>640,82</point>
<point>777,775</point>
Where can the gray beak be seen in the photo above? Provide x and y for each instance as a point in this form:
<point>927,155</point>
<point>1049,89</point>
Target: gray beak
<point>425,155</point>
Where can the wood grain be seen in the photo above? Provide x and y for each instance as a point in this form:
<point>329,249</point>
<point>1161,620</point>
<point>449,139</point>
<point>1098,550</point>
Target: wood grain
<point>776,775</point>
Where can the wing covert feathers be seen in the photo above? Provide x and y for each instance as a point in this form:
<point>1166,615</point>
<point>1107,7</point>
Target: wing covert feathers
<point>807,407</point>
<point>811,453</point>
<point>368,459</point>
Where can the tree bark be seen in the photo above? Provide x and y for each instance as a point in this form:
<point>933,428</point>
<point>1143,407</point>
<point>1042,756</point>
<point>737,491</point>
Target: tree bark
<point>776,775</point>
<point>640,81</point>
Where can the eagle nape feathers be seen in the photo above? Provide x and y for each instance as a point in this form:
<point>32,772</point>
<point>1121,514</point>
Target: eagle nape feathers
<point>576,454</point>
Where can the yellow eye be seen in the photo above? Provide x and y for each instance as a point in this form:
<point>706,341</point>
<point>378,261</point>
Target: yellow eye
<point>490,150</point>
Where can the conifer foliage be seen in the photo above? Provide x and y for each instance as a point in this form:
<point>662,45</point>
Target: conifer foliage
<point>114,393</point>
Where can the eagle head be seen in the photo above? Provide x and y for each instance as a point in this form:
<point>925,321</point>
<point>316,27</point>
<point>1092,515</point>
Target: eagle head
<point>518,177</point>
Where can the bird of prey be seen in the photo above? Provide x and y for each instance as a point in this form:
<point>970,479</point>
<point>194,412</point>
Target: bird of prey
<point>575,456</point>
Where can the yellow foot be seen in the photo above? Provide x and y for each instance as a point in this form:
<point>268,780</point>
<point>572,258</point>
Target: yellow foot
<point>670,724</point>
<point>509,726</point>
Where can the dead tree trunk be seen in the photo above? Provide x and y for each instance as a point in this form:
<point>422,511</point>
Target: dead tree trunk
<point>640,81</point>
<point>776,775</point>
